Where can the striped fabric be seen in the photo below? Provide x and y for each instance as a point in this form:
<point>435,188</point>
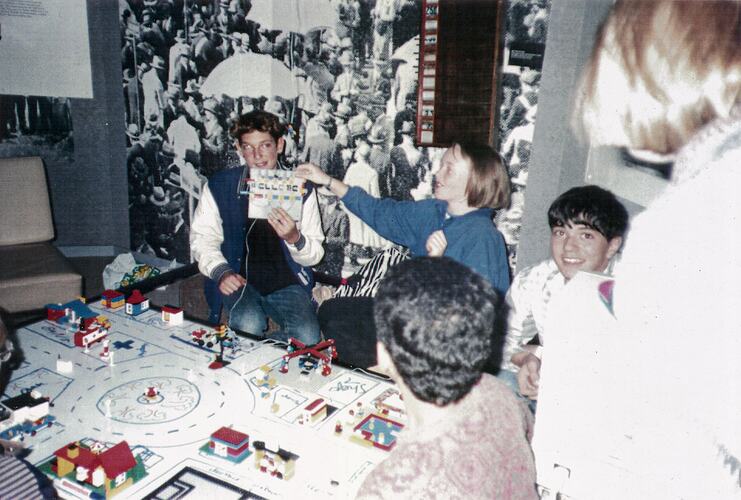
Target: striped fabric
<point>17,481</point>
<point>364,283</point>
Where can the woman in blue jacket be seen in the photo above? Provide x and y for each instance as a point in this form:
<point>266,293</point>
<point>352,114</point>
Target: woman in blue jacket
<point>457,223</point>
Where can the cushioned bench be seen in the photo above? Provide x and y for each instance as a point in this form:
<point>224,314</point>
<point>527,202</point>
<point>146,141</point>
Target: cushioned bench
<point>32,271</point>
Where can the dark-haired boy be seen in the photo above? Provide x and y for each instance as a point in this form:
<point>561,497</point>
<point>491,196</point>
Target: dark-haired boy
<point>258,268</point>
<point>587,228</point>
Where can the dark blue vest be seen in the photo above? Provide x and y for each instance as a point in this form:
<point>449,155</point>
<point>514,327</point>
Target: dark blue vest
<point>233,212</point>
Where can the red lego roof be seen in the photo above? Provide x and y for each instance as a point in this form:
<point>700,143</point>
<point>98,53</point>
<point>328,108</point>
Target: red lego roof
<point>117,460</point>
<point>53,314</point>
<point>171,309</point>
<point>317,405</point>
<point>112,294</point>
<point>136,297</point>
<point>85,458</point>
<point>229,436</point>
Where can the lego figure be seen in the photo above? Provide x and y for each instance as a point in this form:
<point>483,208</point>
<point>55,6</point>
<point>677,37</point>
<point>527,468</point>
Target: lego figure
<point>105,352</point>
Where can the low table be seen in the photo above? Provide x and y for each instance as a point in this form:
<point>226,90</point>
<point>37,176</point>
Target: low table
<point>246,430</point>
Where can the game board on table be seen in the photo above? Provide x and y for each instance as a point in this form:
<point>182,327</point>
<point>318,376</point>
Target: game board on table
<point>261,426</point>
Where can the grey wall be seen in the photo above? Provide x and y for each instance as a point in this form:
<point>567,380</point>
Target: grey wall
<point>558,159</point>
<point>90,194</point>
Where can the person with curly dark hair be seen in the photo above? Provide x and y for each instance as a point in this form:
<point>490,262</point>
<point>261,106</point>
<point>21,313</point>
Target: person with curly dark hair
<point>435,320</point>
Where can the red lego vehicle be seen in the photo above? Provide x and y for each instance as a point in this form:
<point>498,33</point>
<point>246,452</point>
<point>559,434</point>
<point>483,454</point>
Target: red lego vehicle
<point>202,337</point>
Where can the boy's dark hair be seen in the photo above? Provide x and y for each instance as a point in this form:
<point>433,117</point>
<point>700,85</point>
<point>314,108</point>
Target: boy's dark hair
<point>260,121</point>
<point>591,206</point>
<point>436,319</point>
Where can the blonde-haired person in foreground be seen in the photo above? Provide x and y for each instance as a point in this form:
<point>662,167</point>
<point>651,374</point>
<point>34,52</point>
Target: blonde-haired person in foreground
<point>665,77</point>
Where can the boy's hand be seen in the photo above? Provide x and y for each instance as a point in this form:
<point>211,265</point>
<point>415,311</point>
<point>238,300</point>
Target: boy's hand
<point>529,376</point>
<point>283,225</point>
<point>230,283</point>
<point>436,244</point>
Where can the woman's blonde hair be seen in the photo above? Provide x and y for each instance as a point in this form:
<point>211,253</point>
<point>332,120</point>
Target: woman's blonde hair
<point>659,71</point>
<point>488,182</point>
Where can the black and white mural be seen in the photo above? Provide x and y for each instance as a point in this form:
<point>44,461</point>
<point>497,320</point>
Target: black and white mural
<point>36,126</point>
<point>341,73</point>
<point>524,46</point>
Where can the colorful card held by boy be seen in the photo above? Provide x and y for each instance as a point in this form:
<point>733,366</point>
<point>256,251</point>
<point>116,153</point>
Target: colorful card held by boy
<point>270,188</point>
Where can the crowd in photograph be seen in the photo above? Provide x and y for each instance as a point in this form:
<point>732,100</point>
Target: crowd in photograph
<point>347,93</point>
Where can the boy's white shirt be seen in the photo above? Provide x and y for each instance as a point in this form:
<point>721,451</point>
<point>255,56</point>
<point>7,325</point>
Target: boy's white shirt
<point>528,300</point>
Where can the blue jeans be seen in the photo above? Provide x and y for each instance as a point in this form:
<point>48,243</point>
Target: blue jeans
<point>510,379</point>
<point>290,307</point>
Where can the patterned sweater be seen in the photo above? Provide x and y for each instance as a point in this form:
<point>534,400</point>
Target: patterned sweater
<point>482,451</point>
